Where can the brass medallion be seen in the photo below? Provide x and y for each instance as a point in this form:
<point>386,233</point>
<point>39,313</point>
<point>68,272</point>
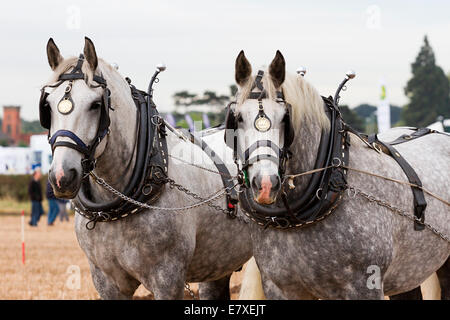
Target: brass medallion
<point>262,124</point>
<point>65,106</point>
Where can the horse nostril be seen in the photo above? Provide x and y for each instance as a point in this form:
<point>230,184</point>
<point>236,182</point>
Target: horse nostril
<point>256,183</point>
<point>276,182</point>
<point>63,179</point>
<point>72,174</point>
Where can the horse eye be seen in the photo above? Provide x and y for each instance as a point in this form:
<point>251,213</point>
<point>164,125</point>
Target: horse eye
<point>95,105</point>
<point>239,118</point>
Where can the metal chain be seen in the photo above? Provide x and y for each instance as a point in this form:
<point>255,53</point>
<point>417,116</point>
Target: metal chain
<point>172,183</point>
<point>194,195</point>
<point>189,290</point>
<point>355,191</point>
<point>183,189</point>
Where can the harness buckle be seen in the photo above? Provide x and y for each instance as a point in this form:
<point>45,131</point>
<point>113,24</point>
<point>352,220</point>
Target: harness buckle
<point>158,120</point>
<point>69,87</point>
<point>88,165</point>
<point>279,222</point>
<point>336,162</point>
<point>376,147</point>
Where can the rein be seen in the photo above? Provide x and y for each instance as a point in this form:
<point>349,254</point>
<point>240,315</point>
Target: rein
<point>290,178</point>
<point>328,181</point>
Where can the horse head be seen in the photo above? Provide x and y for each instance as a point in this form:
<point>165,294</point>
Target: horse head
<point>75,110</point>
<point>261,122</point>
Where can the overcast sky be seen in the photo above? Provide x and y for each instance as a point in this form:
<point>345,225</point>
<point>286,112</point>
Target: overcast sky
<point>199,41</point>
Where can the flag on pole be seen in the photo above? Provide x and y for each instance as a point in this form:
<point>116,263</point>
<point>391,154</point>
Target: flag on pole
<point>383,111</point>
<point>206,123</point>
<point>190,122</point>
<point>170,119</point>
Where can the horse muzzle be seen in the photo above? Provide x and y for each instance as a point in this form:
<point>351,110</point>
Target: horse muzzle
<point>65,182</point>
<point>265,188</point>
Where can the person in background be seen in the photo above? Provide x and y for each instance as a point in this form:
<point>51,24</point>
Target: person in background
<point>35,193</point>
<point>53,207</point>
<point>62,210</point>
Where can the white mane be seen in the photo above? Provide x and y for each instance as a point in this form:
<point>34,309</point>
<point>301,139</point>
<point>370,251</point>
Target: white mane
<point>307,104</point>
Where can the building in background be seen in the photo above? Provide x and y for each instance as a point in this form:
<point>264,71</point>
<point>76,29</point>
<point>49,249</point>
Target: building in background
<point>11,125</point>
<point>11,133</point>
<point>41,151</point>
<point>15,160</point>
<point>22,160</point>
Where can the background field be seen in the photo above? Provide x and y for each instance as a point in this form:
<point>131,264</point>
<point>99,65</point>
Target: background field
<point>53,257</point>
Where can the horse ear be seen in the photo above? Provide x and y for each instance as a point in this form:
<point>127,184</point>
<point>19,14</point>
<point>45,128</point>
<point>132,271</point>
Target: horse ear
<point>277,69</point>
<point>53,55</point>
<point>90,54</point>
<point>243,69</point>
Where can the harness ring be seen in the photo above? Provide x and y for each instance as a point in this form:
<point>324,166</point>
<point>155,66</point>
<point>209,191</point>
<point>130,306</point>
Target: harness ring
<point>334,164</point>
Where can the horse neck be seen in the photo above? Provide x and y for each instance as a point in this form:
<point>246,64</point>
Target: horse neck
<point>304,152</point>
<point>115,165</point>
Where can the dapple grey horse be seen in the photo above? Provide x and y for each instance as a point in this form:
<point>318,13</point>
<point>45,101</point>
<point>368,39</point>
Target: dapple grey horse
<point>363,250</point>
<point>158,249</point>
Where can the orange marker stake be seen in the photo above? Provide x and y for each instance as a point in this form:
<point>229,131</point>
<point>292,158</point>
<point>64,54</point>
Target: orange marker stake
<point>23,236</point>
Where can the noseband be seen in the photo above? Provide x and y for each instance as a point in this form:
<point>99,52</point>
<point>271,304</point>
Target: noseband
<point>66,106</point>
<point>262,123</point>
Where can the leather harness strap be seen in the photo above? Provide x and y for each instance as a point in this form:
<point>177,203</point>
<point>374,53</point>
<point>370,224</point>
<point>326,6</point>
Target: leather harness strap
<point>374,143</point>
<point>227,180</point>
<point>324,191</point>
<point>419,199</point>
<point>149,173</point>
<point>419,132</point>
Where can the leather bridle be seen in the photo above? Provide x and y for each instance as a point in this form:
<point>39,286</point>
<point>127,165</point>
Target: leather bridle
<point>261,123</point>
<point>324,190</point>
<point>88,150</point>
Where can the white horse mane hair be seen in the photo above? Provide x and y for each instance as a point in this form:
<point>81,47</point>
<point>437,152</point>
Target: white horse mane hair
<point>306,102</point>
<point>71,62</point>
<point>116,83</point>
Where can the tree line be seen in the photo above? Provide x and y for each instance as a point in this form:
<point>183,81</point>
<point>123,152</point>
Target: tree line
<point>428,93</point>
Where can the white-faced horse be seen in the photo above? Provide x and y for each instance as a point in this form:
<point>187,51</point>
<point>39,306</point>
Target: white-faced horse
<point>353,237</point>
<point>159,249</point>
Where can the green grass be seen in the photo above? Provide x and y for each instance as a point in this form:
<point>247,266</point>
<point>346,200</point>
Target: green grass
<point>9,206</point>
